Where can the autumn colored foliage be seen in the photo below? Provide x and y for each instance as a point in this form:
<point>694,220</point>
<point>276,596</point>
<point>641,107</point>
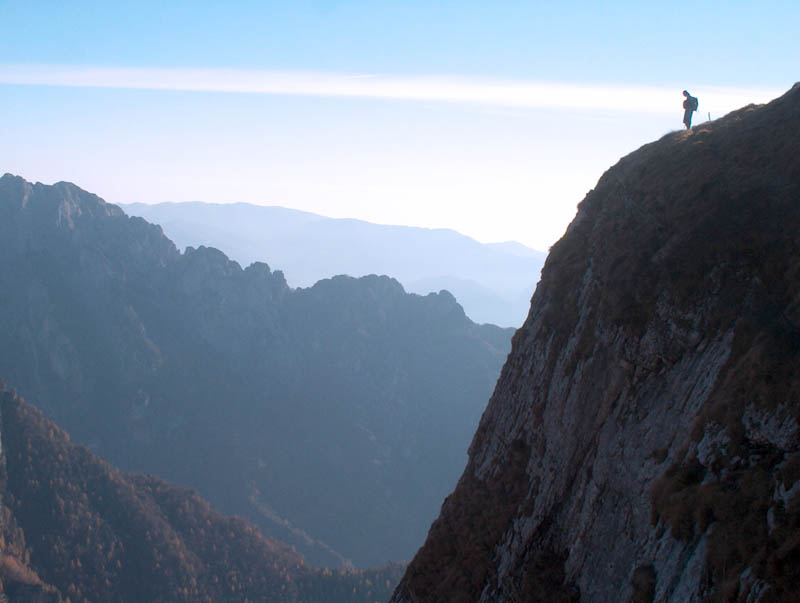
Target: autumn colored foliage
<point>79,528</point>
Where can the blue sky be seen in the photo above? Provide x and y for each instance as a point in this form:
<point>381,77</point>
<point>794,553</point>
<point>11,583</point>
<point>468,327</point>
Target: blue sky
<point>491,118</point>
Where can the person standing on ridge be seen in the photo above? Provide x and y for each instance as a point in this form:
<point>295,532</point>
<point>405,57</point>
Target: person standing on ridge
<point>689,106</point>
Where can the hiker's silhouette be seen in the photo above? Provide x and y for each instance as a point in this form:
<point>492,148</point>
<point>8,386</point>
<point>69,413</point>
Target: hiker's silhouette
<point>689,106</point>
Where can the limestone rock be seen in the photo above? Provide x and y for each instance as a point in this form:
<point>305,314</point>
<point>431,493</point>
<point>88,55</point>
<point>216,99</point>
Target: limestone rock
<point>641,443</point>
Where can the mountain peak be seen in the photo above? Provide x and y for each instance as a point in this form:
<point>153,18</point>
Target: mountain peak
<point>266,399</point>
<point>638,444</point>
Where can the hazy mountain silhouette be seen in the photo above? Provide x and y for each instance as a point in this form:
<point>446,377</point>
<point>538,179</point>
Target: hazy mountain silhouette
<point>643,440</point>
<point>75,527</point>
<point>493,282</point>
<point>337,417</point>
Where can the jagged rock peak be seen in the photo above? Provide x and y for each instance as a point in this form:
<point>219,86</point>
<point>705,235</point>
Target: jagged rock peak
<point>642,442</point>
<point>67,200</point>
<point>66,207</point>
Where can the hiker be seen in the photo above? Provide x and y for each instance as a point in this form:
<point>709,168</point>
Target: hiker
<point>690,106</point>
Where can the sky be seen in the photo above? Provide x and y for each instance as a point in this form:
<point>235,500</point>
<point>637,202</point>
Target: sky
<point>491,118</point>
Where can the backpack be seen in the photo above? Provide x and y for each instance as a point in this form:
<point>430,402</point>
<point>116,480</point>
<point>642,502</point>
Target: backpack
<point>693,103</point>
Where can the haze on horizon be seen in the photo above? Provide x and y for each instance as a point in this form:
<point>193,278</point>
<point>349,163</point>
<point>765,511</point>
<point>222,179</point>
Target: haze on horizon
<point>493,120</point>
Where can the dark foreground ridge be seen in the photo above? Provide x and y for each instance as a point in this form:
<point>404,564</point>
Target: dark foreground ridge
<point>642,443</point>
<point>74,527</point>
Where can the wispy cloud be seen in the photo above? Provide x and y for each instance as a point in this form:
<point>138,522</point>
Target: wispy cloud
<point>472,90</point>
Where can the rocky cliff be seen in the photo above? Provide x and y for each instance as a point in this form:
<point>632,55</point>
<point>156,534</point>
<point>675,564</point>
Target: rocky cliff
<point>642,443</point>
<point>337,417</point>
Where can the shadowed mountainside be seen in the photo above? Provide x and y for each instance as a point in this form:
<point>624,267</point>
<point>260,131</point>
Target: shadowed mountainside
<point>336,417</point>
<point>643,441</point>
<point>75,527</point>
<point>493,282</point>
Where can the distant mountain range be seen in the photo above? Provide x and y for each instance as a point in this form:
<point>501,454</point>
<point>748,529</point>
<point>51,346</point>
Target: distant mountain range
<point>493,282</point>
<point>336,417</point>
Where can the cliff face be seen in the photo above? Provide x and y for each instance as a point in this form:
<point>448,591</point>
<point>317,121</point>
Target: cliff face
<point>642,442</point>
<point>337,417</point>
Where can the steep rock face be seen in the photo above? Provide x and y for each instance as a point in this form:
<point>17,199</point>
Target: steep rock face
<point>337,417</point>
<point>642,442</point>
<point>73,526</point>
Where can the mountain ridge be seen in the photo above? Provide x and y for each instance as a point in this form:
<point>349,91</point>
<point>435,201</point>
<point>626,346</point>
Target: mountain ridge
<point>642,441</point>
<point>493,282</point>
<point>219,376</point>
<point>92,532</point>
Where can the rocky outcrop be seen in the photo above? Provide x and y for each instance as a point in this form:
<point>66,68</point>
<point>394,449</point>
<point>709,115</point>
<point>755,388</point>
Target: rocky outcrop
<point>642,442</point>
